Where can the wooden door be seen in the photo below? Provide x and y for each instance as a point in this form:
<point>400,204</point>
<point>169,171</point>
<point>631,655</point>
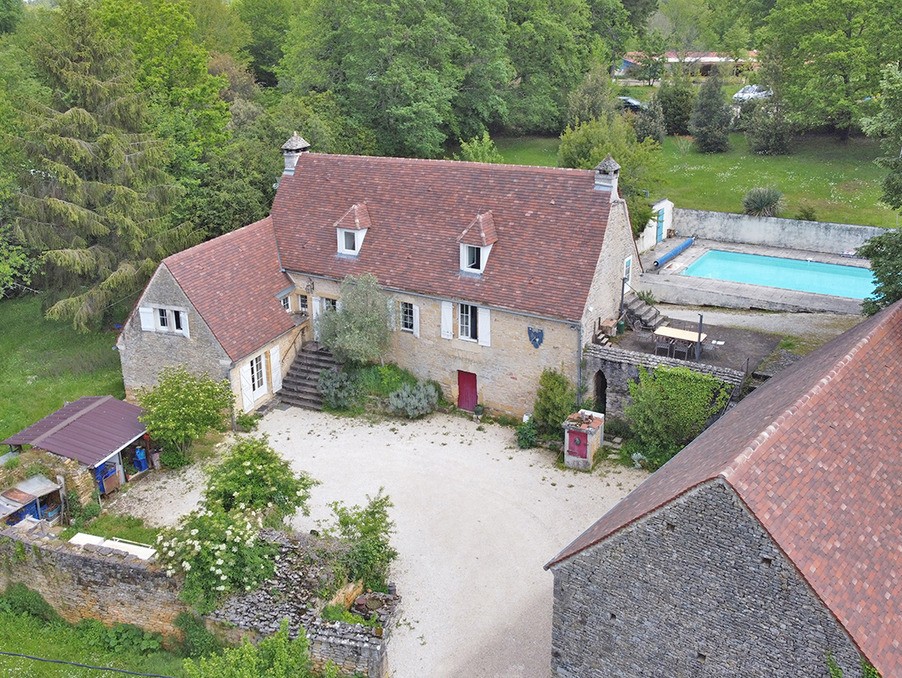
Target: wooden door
<point>466,390</point>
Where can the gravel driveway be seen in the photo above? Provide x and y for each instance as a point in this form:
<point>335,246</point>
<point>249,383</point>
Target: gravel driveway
<point>476,519</point>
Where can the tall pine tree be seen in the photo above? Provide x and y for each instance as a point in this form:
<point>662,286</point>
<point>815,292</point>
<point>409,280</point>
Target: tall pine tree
<point>710,120</point>
<point>95,196</point>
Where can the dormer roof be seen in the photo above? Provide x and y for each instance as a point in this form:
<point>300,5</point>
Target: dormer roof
<point>355,219</point>
<point>480,232</point>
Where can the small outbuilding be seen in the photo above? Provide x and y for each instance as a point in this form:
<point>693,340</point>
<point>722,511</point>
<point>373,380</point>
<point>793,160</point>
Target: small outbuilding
<point>103,434</point>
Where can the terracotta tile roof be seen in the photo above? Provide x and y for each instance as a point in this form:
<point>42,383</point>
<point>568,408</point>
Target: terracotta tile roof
<point>549,224</point>
<point>356,218</point>
<point>816,456</point>
<point>480,232</point>
<point>87,430</point>
<point>233,281</point>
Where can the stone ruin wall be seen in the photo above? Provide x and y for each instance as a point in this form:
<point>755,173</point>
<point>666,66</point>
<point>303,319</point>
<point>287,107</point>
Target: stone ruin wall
<point>92,582</point>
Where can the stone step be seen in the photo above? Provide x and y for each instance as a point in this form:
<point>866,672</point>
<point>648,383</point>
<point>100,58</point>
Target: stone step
<point>297,401</point>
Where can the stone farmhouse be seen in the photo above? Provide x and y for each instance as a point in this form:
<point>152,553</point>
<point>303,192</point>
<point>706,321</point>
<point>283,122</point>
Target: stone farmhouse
<point>492,272</point>
<point>770,541</point>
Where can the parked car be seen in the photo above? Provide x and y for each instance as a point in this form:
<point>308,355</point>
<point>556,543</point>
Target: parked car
<point>630,104</point>
<point>751,92</point>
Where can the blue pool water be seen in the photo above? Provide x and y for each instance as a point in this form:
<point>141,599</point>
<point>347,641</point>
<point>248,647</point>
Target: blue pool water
<point>788,274</point>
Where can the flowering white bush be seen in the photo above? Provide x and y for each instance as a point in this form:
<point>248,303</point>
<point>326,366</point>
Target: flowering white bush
<point>217,553</point>
<point>254,477</point>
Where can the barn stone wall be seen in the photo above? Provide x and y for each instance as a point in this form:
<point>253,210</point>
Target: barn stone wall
<point>697,588</point>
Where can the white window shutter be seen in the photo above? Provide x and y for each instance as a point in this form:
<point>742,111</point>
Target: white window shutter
<point>447,320</point>
<point>393,313</point>
<point>147,323</point>
<point>338,304</point>
<point>275,365</point>
<point>247,388</point>
<point>416,320</point>
<point>185,324</point>
<point>484,326</point>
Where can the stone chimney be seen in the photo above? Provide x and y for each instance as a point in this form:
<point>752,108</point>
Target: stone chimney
<point>292,150</point>
<point>607,174</point>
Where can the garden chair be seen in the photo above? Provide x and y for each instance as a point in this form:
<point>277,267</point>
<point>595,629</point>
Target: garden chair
<point>663,344</point>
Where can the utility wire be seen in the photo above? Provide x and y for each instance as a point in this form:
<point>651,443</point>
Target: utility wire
<point>83,666</point>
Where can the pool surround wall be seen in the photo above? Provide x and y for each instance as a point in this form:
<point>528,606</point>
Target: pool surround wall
<point>810,236</point>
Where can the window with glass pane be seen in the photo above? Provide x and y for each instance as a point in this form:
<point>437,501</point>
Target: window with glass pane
<point>406,316</point>
<point>350,241</point>
<point>474,258</point>
<point>257,373</point>
<point>468,325</point>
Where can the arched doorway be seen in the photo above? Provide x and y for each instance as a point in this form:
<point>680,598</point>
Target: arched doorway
<point>601,391</point>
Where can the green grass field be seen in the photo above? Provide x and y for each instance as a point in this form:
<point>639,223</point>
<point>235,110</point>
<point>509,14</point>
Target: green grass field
<point>25,634</point>
<point>839,181</point>
<point>44,364</point>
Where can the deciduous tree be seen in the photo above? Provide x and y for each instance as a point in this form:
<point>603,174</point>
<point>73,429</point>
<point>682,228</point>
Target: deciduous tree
<point>885,253</point>
<point>887,126</point>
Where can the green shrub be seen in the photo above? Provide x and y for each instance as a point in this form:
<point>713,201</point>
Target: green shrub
<point>247,421</point>
<point>183,407</point>
<point>366,531</point>
<point>253,477</point>
<point>340,614</point>
<point>669,408</point>
<point>20,599</point>
<point>677,98</point>
<point>527,434</point>
<point>414,401</point>
<point>381,380</point>
<point>616,427</point>
<point>338,388</point>
<point>130,638</point>
<point>174,458</point>
<point>767,130</point>
<point>763,202</point>
<point>555,401</point>
<point>197,640</point>
<point>275,656</point>
<point>649,122</point>
<point>806,212</point>
<point>711,116</point>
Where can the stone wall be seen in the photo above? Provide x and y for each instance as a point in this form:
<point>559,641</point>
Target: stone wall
<point>82,582</point>
<point>620,367</point>
<point>695,589</point>
<point>603,300</point>
<point>507,372</point>
<point>78,479</point>
<point>144,354</point>
<point>813,236</point>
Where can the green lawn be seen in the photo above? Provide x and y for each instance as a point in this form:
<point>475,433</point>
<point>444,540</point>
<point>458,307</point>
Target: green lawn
<point>839,181</point>
<point>25,634</point>
<point>44,364</point>
<point>111,525</point>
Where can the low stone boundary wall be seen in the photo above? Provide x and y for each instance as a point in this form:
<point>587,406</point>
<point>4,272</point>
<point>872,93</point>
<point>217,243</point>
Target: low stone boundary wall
<point>620,367</point>
<point>90,582</point>
<point>813,236</point>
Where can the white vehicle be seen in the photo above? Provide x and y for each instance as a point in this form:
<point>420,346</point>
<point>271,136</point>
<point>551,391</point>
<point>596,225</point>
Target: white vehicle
<point>751,92</point>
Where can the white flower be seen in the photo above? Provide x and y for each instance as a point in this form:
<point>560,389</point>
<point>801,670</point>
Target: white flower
<point>248,472</point>
<point>170,553</point>
<point>194,532</point>
<point>223,577</point>
<point>218,570</point>
<point>219,561</point>
<point>186,565</point>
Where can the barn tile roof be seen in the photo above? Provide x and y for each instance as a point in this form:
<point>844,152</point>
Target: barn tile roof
<point>232,281</point>
<point>816,456</point>
<point>88,430</point>
<point>549,224</point>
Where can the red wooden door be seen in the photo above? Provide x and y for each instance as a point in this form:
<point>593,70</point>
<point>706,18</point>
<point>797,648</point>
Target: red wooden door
<point>466,390</point>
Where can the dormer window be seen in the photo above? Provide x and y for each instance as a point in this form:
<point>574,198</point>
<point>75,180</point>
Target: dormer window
<point>347,242</point>
<point>473,257</point>
<point>351,230</point>
<point>476,243</point>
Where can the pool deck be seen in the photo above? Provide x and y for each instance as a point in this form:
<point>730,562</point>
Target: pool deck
<point>668,285</point>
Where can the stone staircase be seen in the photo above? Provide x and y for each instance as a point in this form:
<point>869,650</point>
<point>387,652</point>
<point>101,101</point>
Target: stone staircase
<point>638,311</point>
<point>299,386</point>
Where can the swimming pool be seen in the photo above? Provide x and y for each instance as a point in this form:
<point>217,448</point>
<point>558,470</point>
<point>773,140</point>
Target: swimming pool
<point>788,274</point>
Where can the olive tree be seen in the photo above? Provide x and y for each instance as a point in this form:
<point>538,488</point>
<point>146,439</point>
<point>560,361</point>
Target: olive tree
<point>357,330</point>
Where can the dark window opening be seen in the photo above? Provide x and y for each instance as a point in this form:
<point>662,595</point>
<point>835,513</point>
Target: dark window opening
<point>474,258</point>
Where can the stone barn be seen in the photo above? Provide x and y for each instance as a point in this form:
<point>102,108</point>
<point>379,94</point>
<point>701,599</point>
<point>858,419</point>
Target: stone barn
<point>769,544</point>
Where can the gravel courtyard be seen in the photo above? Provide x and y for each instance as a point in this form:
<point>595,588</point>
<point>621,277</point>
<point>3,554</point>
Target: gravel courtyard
<point>476,519</point>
